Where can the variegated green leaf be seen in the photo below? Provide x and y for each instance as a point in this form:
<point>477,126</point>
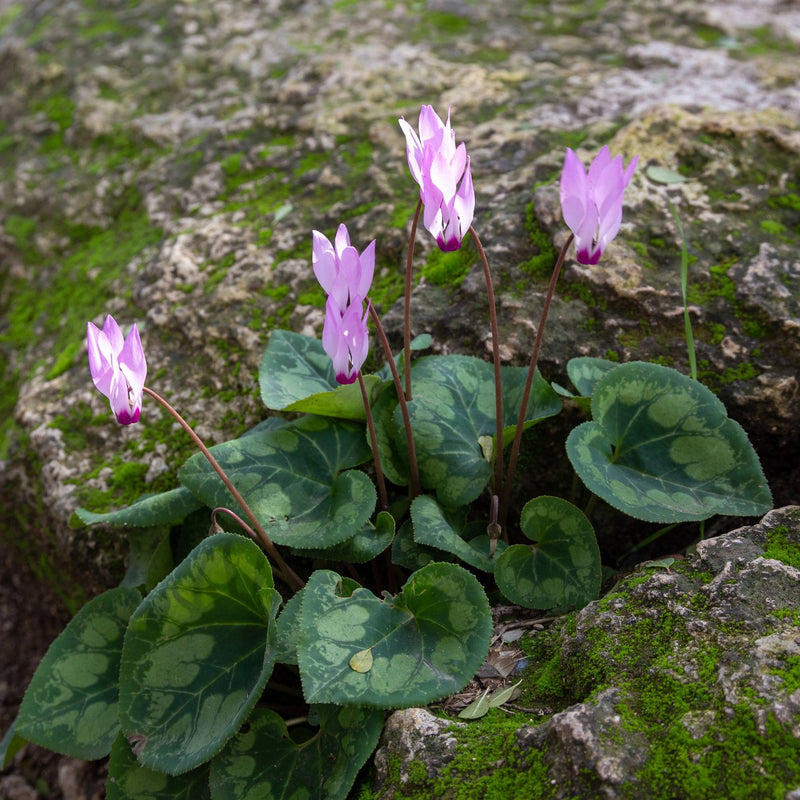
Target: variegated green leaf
<point>296,375</point>
<point>453,407</point>
<point>129,780</point>
<point>155,509</point>
<point>369,542</point>
<point>265,763</point>
<point>662,448</point>
<point>450,532</point>
<point>561,569</point>
<point>197,654</point>
<point>71,705</point>
<point>293,480</point>
<point>585,372</point>
<point>426,642</point>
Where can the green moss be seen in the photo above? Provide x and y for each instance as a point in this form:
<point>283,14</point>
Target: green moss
<point>790,201</point>
<point>58,108</point>
<point>780,548</point>
<point>540,265</point>
<point>448,269</point>
<point>731,757</point>
<point>772,227</point>
<point>488,765</point>
<point>744,371</point>
<point>764,41</point>
<point>21,230</point>
<point>716,332</point>
<point>95,260</point>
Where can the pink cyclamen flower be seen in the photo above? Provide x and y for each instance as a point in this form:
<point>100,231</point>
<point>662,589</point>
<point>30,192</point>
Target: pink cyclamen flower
<point>437,166</point>
<point>118,368</point>
<point>591,203</point>
<point>340,270</point>
<point>346,276</point>
<point>345,338</point>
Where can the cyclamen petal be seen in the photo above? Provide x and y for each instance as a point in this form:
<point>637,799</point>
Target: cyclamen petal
<point>591,203</point>
<point>438,166</point>
<point>346,276</point>
<point>345,339</point>
<point>340,270</point>
<point>118,368</point>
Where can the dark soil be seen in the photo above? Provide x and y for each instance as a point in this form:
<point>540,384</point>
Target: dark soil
<point>31,616</point>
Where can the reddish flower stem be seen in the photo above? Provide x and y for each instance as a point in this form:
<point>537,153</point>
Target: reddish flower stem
<point>412,452</point>
<point>498,385</point>
<point>407,306</point>
<point>537,346</point>
<point>374,442</point>
<point>283,569</point>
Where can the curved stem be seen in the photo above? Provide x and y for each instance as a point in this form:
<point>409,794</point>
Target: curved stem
<point>236,518</point>
<point>412,452</point>
<point>407,307</point>
<point>374,442</point>
<point>537,346</point>
<point>284,570</point>
<point>498,385</point>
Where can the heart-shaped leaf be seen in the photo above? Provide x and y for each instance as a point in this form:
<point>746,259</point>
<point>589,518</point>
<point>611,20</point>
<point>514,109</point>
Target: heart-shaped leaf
<point>661,448</point>
<point>563,569</point>
<point>71,705</point>
<point>453,407</point>
<point>197,654</point>
<point>155,509</point>
<point>426,643</point>
<point>129,780</point>
<point>265,762</point>
<point>435,527</point>
<point>292,479</point>
<point>296,374</point>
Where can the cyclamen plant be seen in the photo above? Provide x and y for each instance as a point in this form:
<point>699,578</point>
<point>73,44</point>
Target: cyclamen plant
<point>251,667</point>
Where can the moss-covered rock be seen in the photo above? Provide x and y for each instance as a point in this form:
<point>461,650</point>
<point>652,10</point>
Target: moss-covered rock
<point>683,681</point>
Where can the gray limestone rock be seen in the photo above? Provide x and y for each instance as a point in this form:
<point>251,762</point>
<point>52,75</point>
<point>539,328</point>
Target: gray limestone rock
<point>680,682</point>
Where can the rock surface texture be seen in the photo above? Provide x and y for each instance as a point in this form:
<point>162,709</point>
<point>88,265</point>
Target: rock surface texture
<point>681,682</point>
<point>166,162</point>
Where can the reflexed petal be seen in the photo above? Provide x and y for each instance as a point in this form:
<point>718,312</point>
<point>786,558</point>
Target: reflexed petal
<point>414,151</point>
<point>430,123</point>
<point>367,270</point>
<point>101,359</point>
<point>342,239</point>
<point>350,268</point>
<point>448,208</point>
<point>323,260</point>
<point>601,161</point>
<point>442,178</point>
<point>591,204</point>
<point>465,202</point>
<point>458,161</point>
<point>132,362</point>
<point>113,334</point>
<point>573,191</point>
